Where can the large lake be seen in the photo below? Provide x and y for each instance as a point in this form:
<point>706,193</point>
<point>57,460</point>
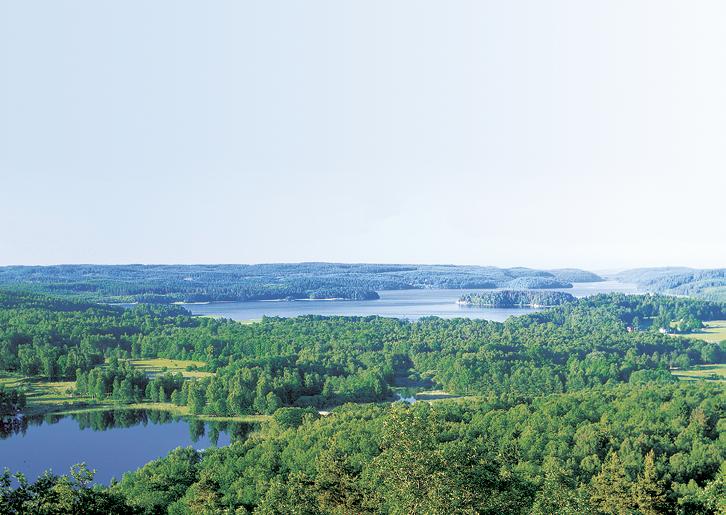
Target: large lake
<point>408,304</point>
<point>112,442</point>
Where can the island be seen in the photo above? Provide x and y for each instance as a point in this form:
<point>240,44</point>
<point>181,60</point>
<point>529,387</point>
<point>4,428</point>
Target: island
<point>516,299</point>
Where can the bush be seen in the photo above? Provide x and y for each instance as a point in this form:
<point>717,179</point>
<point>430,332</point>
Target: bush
<point>292,417</point>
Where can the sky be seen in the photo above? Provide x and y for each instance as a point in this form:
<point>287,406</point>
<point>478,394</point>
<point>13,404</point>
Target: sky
<point>509,133</point>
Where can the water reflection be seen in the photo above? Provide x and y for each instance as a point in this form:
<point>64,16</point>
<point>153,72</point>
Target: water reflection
<point>12,426</point>
<point>112,442</point>
<point>125,418</point>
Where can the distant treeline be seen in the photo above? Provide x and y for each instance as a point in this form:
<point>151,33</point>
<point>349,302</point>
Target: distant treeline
<point>706,284</point>
<point>206,283</point>
<point>516,298</point>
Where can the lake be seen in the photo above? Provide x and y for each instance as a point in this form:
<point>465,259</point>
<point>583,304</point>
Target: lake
<point>408,304</point>
<point>112,442</point>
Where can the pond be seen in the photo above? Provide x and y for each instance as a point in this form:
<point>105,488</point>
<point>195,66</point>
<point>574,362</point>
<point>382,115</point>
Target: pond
<point>112,442</point>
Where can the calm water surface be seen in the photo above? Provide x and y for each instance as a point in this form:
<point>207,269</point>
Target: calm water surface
<point>408,304</point>
<point>112,442</point>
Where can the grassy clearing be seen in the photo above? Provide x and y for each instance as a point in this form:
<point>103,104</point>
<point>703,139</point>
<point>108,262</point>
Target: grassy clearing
<point>221,317</point>
<point>707,372</point>
<point>160,365</point>
<point>49,396</point>
<point>45,397</point>
<point>714,332</point>
<point>435,395</point>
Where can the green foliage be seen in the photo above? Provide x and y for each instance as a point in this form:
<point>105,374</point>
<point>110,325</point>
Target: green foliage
<point>516,298</point>
<point>59,495</point>
<point>12,400</point>
<point>476,457</point>
<point>323,362</point>
<point>293,417</point>
<point>569,411</point>
<point>611,488</point>
<point>161,482</point>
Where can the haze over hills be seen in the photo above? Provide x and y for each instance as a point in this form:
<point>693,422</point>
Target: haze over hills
<point>703,283</point>
<point>320,280</point>
<point>204,283</point>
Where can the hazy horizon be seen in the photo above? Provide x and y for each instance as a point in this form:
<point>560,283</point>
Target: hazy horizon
<point>599,271</point>
<point>540,134</point>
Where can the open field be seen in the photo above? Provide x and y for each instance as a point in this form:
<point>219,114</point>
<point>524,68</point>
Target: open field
<point>48,396</point>
<point>707,372</point>
<point>160,365</point>
<point>435,395</point>
<point>714,332</point>
<point>53,397</point>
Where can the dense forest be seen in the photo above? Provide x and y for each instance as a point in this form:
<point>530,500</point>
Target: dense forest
<point>204,283</point>
<point>324,361</point>
<point>569,409</point>
<point>632,448</point>
<point>516,298</point>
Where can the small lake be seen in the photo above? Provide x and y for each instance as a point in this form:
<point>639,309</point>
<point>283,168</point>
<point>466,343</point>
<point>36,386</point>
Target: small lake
<point>407,304</point>
<point>112,442</point>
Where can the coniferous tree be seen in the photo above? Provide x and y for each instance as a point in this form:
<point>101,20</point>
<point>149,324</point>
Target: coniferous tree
<point>648,494</point>
<point>610,489</point>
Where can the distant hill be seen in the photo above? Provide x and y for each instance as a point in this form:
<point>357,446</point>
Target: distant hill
<point>290,281</point>
<point>527,283</point>
<point>574,275</point>
<point>709,284</point>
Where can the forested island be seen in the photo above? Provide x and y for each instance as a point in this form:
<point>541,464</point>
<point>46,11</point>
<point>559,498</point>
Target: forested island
<point>560,411</point>
<point>516,298</point>
<point>166,284</point>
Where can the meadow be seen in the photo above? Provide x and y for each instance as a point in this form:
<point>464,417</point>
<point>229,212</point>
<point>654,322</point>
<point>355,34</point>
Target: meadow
<point>714,332</point>
<point>58,397</point>
<point>187,368</point>
<point>707,372</point>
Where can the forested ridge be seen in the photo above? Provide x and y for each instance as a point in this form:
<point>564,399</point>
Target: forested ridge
<point>570,408</point>
<point>708,284</point>
<point>205,283</point>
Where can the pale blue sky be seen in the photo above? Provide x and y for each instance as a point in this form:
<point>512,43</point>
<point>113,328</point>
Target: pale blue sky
<point>535,133</point>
